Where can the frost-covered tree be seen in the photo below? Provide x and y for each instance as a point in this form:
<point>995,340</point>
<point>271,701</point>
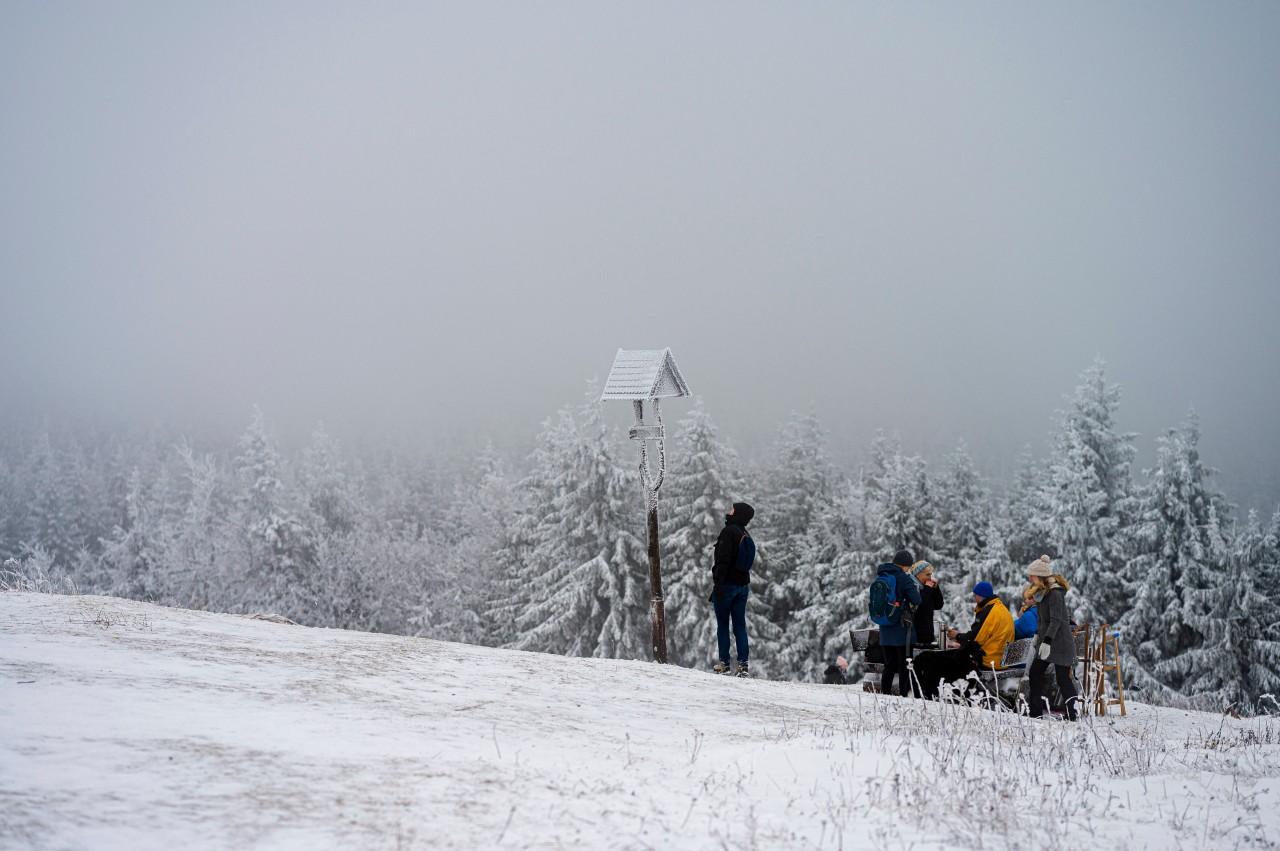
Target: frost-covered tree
<point>1086,499</point>
<point>136,555</point>
<point>833,572</point>
<point>1179,558</point>
<point>963,506</point>
<point>799,487</point>
<point>470,563</point>
<point>581,586</point>
<point>905,514</point>
<point>1022,516</point>
<point>1255,571</point>
<point>328,492</point>
<point>277,549</point>
<point>994,565</point>
<point>1238,621</point>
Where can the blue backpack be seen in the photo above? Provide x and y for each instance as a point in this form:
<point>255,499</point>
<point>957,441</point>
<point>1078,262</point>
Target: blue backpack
<point>882,601</point>
<point>746,552</point>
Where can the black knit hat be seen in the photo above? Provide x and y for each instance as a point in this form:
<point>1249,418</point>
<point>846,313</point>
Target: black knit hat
<point>904,558</point>
<point>742,513</point>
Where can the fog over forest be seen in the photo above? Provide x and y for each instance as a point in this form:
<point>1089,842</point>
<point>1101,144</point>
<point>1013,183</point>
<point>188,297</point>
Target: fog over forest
<point>430,225</point>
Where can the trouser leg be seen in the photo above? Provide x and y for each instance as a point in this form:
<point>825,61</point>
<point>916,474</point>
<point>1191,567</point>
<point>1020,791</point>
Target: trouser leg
<point>895,663</point>
<point>1067,689</point>
<point>721,606</point>
<point>739,614</point>
<point>1037,703</point>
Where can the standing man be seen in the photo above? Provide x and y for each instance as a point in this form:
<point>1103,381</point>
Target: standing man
<point>735,553</point>
<point>896,631</point>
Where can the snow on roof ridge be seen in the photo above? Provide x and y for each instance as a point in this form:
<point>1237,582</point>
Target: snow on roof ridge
<point>644,374</point>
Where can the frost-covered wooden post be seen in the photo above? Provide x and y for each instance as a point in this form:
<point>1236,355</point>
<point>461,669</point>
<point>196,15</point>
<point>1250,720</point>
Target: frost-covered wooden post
<point>640,376</point>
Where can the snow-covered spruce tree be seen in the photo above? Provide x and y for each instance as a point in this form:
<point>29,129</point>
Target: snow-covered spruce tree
<point>470,563</point>
<point>1022,514</point>
<point>344,585</point>
<point>202,540</point>
<point>798,487</point>
<point>328,492</point>
<point>963,505</point>
<point>833,572</point>
<point>1087,500</point>
<point>50,512</point>
<point>703,479</point>
<point>1238,659</point>
<point>276,550</point>
<point>581,583</point>
<point>994,565</point>
<point>1255,571</point>
<point>1179,555</point>
<point>905,515</point>
<point>135,559</point>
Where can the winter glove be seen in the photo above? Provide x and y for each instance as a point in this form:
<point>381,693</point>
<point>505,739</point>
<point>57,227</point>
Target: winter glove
<point>1044,651</point>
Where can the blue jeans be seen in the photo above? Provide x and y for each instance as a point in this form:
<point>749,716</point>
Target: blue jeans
<point>732,603</point>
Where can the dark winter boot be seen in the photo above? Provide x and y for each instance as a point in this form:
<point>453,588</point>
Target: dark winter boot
<point>742,670</point>
<point>720,667</point>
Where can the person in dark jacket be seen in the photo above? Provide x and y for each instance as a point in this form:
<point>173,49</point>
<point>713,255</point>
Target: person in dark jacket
<point>1055,645</point>
<point>930,602</point>
<point>896,640</point>
<point>732,586</point>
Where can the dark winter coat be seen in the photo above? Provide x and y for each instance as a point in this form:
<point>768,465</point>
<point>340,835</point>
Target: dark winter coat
<point>724,570</point>
<point>900,634</point>
<point>930,602</point>
<point>1055,626</point>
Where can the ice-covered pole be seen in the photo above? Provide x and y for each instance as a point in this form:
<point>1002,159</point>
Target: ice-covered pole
<point>641,376</point>
<point>657,609</point>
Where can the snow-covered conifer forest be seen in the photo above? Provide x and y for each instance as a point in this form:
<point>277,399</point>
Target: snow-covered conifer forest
<point>548,552</point>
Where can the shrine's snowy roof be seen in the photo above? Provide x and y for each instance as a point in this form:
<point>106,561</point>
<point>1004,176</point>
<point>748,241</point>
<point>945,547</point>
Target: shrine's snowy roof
<point>644,374</point>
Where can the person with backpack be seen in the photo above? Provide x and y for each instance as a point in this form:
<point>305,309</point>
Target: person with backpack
<point>893,599</point>
<point>735,554</point>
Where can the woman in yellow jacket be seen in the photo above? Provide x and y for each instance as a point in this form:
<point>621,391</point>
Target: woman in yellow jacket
<point>992,627</point>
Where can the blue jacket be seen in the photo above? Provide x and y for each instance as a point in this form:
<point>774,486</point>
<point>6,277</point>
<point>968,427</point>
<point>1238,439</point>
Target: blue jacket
<point>1025,626</point>
<point>900,634</point>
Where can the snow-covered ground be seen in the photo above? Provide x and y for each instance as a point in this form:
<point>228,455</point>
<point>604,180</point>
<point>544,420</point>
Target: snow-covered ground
<point>127,725</point>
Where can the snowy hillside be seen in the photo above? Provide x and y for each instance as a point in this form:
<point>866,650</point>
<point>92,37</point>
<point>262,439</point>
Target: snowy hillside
<point>125,725</point>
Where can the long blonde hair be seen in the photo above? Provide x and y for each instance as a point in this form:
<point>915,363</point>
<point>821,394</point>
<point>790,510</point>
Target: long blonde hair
<point>1044,584</point>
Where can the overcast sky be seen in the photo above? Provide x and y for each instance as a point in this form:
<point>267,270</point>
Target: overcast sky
<point>926,218</point>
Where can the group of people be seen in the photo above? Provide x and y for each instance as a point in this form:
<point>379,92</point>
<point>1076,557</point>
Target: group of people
<point>1042,615</point>
<point>916,597</point>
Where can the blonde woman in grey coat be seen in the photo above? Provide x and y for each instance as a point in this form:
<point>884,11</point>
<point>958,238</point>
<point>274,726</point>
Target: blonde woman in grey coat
<point>1055,645</point>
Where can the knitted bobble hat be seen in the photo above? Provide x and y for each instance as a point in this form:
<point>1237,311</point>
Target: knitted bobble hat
<point>1040,567</point>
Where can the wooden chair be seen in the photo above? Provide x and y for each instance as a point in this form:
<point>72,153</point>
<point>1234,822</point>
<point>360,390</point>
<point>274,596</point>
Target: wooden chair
<point>1099,665</point>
